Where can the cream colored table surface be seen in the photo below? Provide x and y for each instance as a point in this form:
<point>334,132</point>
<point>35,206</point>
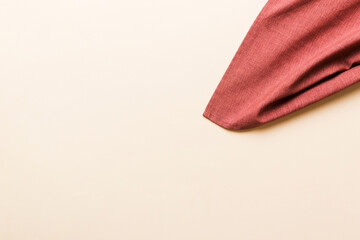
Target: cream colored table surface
<point>102,133</point>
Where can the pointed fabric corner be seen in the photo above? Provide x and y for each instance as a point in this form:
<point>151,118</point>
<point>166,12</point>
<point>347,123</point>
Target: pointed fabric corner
<point>296,53</point>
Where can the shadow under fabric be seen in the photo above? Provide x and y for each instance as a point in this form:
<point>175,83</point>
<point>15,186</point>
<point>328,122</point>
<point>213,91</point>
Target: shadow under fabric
<point>296,53</point>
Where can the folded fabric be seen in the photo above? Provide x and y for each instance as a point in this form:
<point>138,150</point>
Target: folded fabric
<point>296,53</point>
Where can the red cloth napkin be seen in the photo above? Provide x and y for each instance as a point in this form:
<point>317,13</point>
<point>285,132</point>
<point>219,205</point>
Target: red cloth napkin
<point>295,53</point>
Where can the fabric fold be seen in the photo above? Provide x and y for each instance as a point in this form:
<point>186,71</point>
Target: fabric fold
<point>296,53</point>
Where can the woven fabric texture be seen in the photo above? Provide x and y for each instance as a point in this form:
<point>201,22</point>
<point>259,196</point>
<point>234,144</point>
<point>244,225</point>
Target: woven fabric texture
<point>296,53</point>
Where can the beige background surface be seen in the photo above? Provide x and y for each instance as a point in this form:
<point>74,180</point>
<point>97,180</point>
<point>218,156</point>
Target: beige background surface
<point>102,134</point>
